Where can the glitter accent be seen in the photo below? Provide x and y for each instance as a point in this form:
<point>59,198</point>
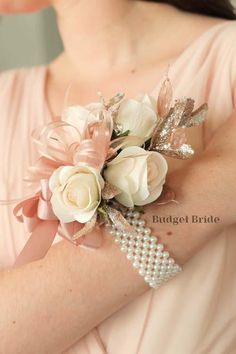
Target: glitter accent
<point>109,191</point>
<point>118,219</point>
<point>167,137</point>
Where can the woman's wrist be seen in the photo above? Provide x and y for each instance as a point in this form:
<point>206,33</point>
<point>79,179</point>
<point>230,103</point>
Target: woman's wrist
<point>185,227</point>
<point>200,214</point>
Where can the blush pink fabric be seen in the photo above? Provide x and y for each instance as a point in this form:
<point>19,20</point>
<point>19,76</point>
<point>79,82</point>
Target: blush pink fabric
<point>195,313</point>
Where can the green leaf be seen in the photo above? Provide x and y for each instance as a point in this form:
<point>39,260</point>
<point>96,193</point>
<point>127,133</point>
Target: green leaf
<point>126,133</point>
<point>119,135</point>
<point>102,212</point>
<point>147,144</point>
<point>139,208</point>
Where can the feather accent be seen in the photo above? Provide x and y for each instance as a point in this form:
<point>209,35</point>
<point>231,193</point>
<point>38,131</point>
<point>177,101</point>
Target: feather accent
<point>164,99</point>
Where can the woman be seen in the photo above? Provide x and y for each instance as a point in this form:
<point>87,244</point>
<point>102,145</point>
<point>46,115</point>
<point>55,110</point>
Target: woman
<point>83,301</point>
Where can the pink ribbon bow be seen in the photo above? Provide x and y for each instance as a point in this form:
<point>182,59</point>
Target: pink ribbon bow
<point>37,215</point>
<point>60,143</point>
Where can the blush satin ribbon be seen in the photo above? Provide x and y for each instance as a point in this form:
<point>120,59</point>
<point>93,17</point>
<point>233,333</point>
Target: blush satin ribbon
<point>56,149</point>
<point>61,144</point>
<point>41,223</point>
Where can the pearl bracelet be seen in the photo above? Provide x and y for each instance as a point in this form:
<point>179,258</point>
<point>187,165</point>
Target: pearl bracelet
<point>144,251</point>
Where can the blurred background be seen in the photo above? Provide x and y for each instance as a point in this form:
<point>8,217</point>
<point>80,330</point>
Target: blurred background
<point>27,40</point>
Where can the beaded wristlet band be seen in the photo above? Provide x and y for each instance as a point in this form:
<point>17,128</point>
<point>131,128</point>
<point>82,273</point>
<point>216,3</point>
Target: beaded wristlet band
<point>144,251</point>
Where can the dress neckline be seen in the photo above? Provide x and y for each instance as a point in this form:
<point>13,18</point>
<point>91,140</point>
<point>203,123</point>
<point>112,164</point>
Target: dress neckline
<point>172,66</point>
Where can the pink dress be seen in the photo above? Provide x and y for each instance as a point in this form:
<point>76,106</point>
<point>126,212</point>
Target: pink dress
<point>194,313</point>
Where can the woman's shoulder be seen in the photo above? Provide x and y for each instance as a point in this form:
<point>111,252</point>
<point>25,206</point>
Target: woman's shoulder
<point>210,31</point>
<point>204,41</point>
<point>213,44</point>
<point>224,33</point>
<point>218,47</point>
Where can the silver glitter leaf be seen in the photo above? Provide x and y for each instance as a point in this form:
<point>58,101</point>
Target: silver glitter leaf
<point>118,219</point>
<point>178,138</point>
<point>86,229</point>
<point>198,116</point>
<point>163,130</point>
<point>176,117</point>
<point>109,191</point>
<point>184,152</point>
<point>186,106</point>
<point>169,134</point>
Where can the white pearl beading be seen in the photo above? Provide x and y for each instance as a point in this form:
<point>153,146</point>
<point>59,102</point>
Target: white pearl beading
<point>146,254</point>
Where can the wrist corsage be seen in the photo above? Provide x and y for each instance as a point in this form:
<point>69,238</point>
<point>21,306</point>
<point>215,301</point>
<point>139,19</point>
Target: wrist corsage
<point>100,165</point>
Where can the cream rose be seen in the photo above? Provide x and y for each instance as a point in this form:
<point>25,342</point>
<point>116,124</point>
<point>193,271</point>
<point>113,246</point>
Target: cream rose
<point>138,116</point>
<point>80,116</point>
<point>138,174</point>
<point>76,193</point>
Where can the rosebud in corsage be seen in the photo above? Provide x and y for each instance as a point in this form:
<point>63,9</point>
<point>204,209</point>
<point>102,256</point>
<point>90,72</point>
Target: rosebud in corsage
<point>138,174</point>
<point>80,116</point>
<point>138,116</point>
<point>76,193</point>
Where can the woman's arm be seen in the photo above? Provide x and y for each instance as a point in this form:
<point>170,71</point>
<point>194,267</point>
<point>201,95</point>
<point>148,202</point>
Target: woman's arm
<point>48,305</point>
<point>206,186</point>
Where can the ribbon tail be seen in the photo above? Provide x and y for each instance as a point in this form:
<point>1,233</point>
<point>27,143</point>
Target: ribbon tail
<point>92,240</point>
<point>38,244</point>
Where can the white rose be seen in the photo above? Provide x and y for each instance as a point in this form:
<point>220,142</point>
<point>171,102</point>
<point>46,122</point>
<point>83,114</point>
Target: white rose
<point>76,192</point>
<point>80,116</point>
<point>139,174</point>
<point>138,116</point>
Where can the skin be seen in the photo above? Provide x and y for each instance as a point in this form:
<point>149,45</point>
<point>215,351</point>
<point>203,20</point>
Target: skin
<point>22,6</point>
<point>57,299</point>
